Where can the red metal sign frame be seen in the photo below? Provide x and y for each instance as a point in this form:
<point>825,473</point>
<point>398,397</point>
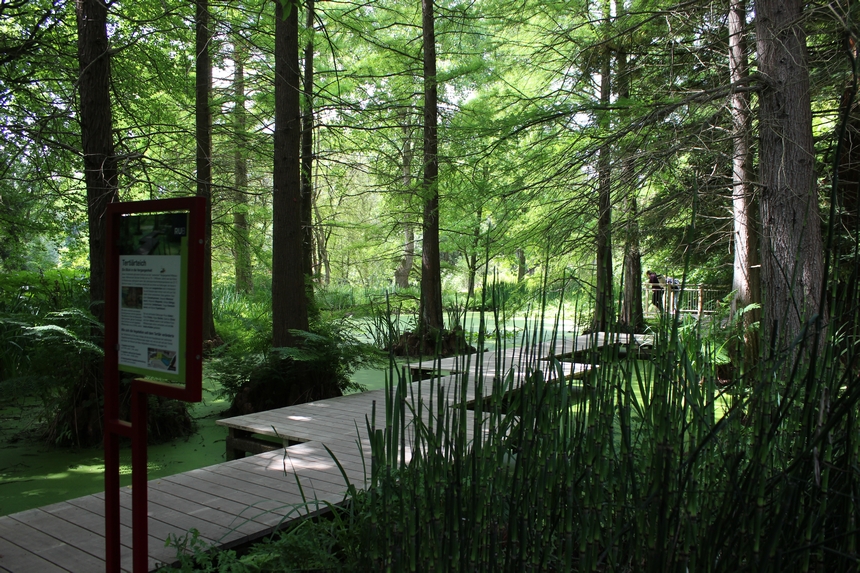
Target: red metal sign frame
<point>135,428</point>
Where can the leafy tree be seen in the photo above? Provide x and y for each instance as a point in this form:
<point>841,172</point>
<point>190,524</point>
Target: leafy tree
<point>632,317</point>
<point>307,153</point>
<point>745,276</point>
<point>604,315</point>
<point>241,227</point>
<point>404,267</point>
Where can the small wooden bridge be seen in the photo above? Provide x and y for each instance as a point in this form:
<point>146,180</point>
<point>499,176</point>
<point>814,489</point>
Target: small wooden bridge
<point>247,498</point>
<point>692,299</point>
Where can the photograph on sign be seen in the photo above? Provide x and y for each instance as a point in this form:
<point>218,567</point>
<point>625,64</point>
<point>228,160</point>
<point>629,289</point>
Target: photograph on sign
<point>151,271</point>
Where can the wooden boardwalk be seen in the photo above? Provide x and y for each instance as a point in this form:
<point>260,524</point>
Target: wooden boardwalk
<point>514,359</point>
<point>227,503</point>
<point>247,498</point>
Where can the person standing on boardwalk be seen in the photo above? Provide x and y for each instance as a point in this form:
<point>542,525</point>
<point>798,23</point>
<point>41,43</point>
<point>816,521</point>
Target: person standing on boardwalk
<point>657,290</point>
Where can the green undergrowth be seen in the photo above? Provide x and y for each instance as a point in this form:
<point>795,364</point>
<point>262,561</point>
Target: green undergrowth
<point>253,376</point>
<point>52,360</point>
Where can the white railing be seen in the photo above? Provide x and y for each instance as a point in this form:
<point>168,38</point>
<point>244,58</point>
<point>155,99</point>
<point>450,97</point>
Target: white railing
<point>698,299</point>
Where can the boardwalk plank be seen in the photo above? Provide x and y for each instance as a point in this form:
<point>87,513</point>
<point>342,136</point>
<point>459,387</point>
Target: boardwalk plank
<point>57,551</point>
<point>95,503</point>
<point>275,479</point>
<point>159,529</point>
<point>215,498</point>
<point>285,504</point>
<point>15,559</point>
<point>89,514</point>
<point>308,428</point>
<point>214,522</point>
<point>70,532</point>
<point>311,455</point>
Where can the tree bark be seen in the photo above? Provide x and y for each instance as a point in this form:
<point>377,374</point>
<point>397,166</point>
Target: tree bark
<point>848,189</point>
<point>203,123</point>
<point>521,264</point>
<point>244,279</point>
<point>604,312</point>
<point>791,246</point>
<point>100,165</point>
<point>472,256</point>
<point>745,278</point>
<point>404,269</point>
<point>431,274</point>
<point>289,309</point>
<point>308,156</point>
<point>847,199</point>
<point>632,316</point>
<point>322,236</point>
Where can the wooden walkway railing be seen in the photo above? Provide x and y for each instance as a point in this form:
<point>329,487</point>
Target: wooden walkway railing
<point>697,299</point>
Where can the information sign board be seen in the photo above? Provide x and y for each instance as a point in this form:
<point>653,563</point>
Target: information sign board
<point>154,330</point>
<point>153,279</point>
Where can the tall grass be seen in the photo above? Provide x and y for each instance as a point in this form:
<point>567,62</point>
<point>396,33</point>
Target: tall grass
<point>360,301</point>
<point>653,463</point>
<point>322,363</point>
<point>241,319</point>
<point>642,466</point>
<point>28,302</point>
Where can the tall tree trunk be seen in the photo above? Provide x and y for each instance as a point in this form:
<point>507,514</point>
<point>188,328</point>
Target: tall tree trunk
<point>203,116</point>
<point>521,264</point>
<point>241,229</point>
<point>604,314</point>
<point>848,191</point>
<point>472,257</point>
<point>632,316</point>
<point>431,274</point>
<point>288,310</point>
<point>100,166</point>
<point>847,198</point>
<point>791,246</point>
<point>745,278</point>
<point>322,235</point>
<point>404,269</point>
<point>308,156</point>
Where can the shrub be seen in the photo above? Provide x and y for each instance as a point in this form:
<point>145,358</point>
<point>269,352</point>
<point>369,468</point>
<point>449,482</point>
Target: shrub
<point>257,377</point>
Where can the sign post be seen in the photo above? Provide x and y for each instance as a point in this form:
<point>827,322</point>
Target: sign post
<point>154,330</point>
